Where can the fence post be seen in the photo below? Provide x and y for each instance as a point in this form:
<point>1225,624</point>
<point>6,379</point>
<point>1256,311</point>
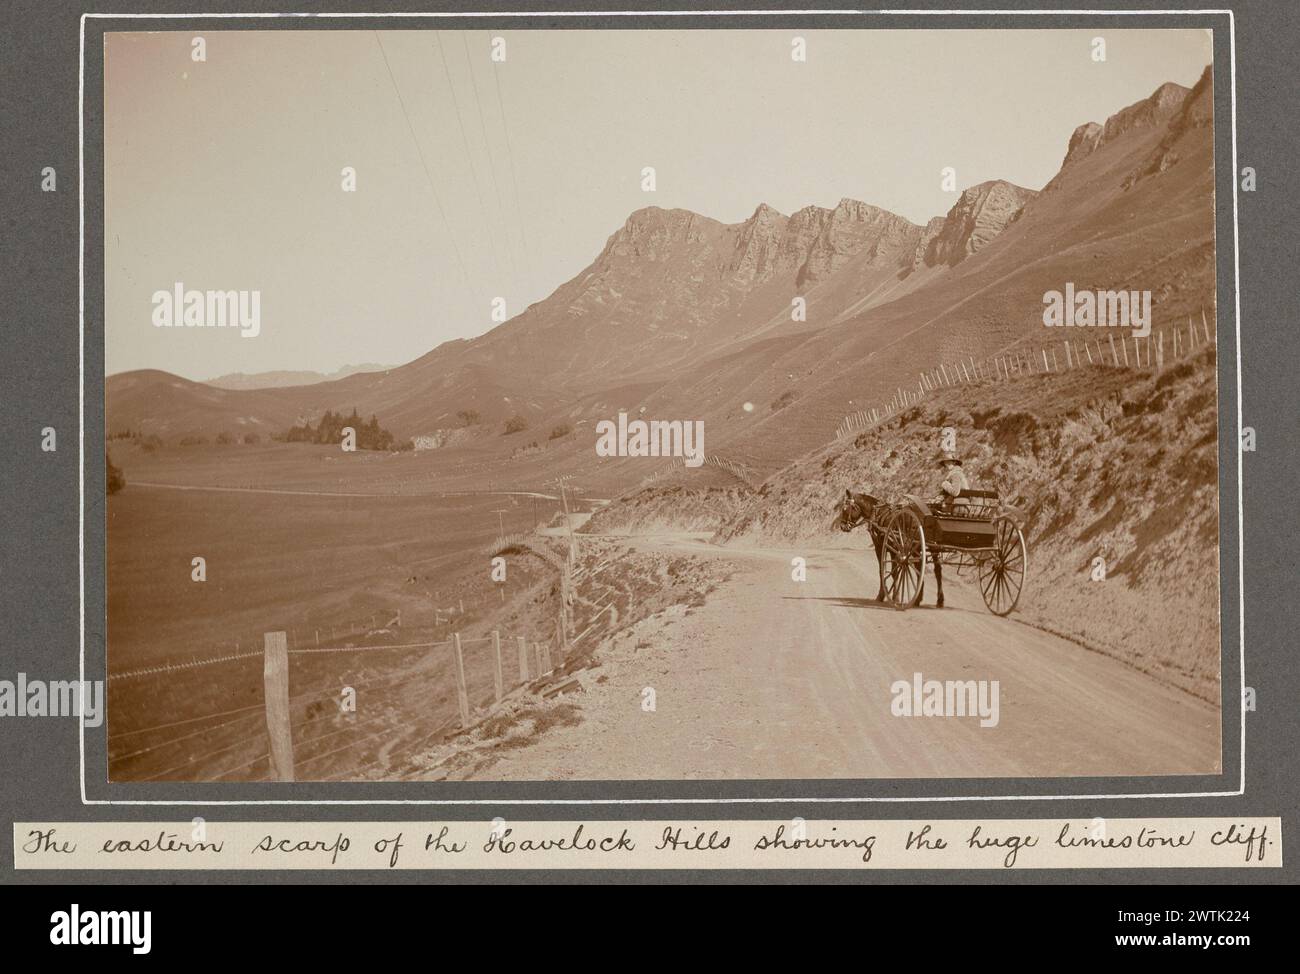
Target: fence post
<point>1113,355</point>
<point>462,694</point>
<point>523,659</point>
<point>275,677</point>
<point>496,656</point>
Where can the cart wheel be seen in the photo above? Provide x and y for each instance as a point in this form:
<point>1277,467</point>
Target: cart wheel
<point>1002,572</point>
<point>903,563</point>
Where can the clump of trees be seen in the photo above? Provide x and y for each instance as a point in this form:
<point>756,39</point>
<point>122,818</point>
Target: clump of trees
<point>113,478</point>
<point>370,435</point>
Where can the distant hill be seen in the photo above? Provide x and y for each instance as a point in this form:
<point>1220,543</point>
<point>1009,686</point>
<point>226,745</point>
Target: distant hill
<point>276,380</point>
<point>682,316</point>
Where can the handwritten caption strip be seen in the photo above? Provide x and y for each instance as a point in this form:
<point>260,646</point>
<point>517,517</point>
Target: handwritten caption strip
<point>790,844</point>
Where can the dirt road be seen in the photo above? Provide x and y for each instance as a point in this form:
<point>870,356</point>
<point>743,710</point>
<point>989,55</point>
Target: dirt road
<point>774,678</point>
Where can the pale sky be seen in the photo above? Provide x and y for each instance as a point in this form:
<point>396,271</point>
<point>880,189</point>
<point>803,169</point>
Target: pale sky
<point>226,174</point>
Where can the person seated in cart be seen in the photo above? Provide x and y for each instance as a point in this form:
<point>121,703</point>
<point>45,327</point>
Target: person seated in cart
<point>954,481</point>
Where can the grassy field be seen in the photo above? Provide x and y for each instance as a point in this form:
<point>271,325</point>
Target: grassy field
<point>330,571</point>
<point>293,562</point>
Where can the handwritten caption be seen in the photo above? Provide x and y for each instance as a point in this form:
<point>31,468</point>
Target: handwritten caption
<point>1005,844</point>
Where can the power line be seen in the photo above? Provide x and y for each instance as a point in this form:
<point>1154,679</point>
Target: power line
<point>427,175</point>
<point>469,156</point>
<point>510,154</point>
<point>469,63</point>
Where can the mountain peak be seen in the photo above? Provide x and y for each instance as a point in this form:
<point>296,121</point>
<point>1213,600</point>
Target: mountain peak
<point>980,214</point>
<point>1195,110</point>
<point>657,215</point>
<point>653,231</point>
<point>1152,111</point>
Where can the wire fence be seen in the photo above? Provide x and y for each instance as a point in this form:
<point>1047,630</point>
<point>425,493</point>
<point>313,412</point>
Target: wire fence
<point>1092,348</point>
<point>396,691</point>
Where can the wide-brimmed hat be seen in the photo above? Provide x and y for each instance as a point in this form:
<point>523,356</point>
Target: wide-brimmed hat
<point>948,457</point>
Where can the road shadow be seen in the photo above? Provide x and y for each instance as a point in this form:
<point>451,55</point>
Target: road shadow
<point>842,600</point>
<point>846,602</point>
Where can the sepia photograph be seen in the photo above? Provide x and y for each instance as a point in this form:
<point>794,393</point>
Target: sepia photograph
<point>660,405</point>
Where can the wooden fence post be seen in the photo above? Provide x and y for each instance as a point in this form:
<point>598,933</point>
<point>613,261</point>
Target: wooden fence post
<point>499,679</point>
<point>462,694</point>
<point>1113,355</point>
<point>275,677</point>
<point>523,659</point>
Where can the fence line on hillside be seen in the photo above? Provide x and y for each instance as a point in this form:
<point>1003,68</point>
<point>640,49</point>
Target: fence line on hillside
<point>280,725</point>
<point>314,636</point>
<point>1149,352</point>
<point>284,716</point>
<point>738,470</point>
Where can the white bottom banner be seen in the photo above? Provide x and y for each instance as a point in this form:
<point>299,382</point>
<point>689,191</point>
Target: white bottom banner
<point>1119,843</point>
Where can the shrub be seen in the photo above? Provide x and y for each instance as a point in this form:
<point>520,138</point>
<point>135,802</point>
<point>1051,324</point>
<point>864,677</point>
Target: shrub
<point>469,417</point>
<point>564,429</point>
<point>252,439</point>
<point>783,400</point>
<point>515,424</point>
<point>113,479</point>
<point>224,438</point>
<point>193,440</point>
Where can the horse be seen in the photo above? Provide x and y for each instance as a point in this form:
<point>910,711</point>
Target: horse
<point>858,509</point>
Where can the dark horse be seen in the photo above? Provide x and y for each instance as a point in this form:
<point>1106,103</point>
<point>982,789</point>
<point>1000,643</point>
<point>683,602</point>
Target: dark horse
<point>858,509</point>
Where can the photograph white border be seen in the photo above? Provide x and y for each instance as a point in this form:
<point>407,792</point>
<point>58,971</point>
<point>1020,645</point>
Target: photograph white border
<point>81,276</point>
